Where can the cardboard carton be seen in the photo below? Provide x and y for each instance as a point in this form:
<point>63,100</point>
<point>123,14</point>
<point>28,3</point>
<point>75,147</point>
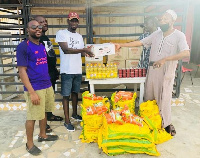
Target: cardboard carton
<point>135,52</point>
<point>131,63</point>
<point>122,54</point>
<point>120,63</point>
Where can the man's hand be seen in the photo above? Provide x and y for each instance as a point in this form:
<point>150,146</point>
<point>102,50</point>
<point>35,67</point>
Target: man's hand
<point>117,46</point>
<point>35,99</point>
<point>159,63</point>
<point>88,52</point>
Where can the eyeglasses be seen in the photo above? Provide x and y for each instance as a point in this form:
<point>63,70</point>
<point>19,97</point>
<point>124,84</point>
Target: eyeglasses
<point>38,26</point>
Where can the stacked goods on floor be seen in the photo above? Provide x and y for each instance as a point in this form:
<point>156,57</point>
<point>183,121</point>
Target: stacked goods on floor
<point>122,98</point>
<point>123,132</point>
<point>92,109</point>
<point>150,111</point>
<point>120,131</point>
<point>100,71</point>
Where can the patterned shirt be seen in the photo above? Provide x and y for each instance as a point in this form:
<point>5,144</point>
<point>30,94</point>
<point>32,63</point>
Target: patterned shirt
<point>144,59</point>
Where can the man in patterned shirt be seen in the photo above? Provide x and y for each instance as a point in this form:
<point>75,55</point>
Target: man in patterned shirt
<point>150,25</point>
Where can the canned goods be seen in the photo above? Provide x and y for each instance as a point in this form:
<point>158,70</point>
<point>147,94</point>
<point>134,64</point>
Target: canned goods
<point>120,73</point>
<point>144,72</point>
<point>132,73</point>
<point>132,70</point>
<point>128,71</point>
<point>140,72</point>
<point>136,72</point>
<point>124,73</point>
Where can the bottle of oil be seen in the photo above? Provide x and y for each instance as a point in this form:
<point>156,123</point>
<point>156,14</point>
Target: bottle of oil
<point>99,71</point>
<point>95,71</point>
<point>103,71</point>
<point>91,71</point>
<point>115,70</point>
<point>108,71</point>
<point>87,70</point>
<point>111,70</point>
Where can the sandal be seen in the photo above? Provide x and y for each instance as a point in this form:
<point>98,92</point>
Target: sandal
<point>48,129</point>
<point>54,118</point>
<point>49,138</point>
<point>34,150</point>
<point>171,130</point>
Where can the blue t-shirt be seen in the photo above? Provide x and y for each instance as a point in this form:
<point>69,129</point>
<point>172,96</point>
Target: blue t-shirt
<point>34,57</point>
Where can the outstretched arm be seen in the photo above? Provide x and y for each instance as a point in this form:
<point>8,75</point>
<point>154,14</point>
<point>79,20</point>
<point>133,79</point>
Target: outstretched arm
<point>130,44</point>
<point>67,50</point>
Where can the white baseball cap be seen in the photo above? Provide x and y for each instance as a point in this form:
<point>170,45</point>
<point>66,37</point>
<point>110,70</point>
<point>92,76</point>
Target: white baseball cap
<point>172,13</point>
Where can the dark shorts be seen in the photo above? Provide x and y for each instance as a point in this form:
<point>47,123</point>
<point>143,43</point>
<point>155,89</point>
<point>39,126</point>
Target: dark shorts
<point>70,83</point>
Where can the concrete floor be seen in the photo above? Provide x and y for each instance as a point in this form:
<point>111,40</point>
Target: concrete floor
<point>186,143</point>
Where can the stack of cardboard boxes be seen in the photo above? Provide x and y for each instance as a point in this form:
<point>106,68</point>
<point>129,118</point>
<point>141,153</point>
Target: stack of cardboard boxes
<point>126,57</point>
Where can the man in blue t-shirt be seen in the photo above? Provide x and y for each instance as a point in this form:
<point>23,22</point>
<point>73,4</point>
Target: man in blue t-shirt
<point>38,91</point>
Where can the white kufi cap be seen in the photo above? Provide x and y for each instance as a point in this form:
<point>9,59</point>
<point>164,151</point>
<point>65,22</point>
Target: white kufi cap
<point>172,13</point>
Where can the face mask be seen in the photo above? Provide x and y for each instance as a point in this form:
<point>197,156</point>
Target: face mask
<point>164,27</point>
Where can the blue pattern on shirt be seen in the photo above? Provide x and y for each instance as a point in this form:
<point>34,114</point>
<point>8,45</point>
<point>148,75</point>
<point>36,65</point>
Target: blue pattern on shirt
<point>144,59</point>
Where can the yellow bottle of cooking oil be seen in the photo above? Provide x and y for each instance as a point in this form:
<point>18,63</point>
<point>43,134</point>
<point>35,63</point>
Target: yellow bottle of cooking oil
<point>95,71</point>
<point>111,70</point>
<point>87,70</point>
<point>115,70</point>
<point>91,71</point>
<point>99,71</point>
<point>108,71</point>
<point>103,71</point>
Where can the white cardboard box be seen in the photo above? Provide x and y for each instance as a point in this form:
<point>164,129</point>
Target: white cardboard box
<point>102,49</point>
<point>94,58</point>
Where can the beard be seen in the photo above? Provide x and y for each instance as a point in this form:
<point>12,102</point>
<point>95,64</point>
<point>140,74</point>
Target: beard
<point>35,37</point>
<point>74,28</point>
<point>164,27</point>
